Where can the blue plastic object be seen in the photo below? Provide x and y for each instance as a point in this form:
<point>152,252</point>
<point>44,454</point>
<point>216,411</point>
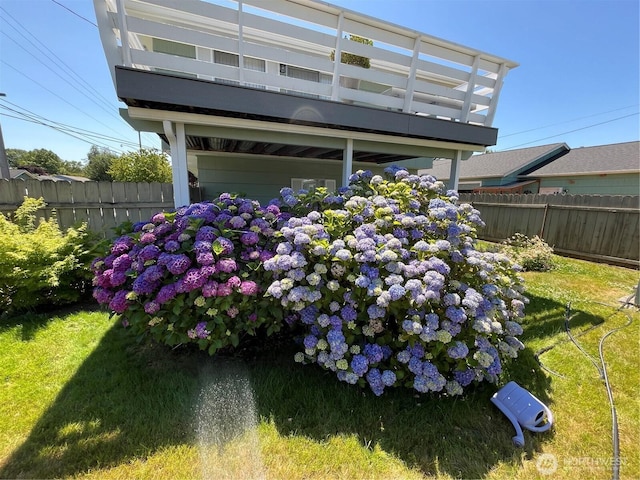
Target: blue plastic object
<point>523,409</point>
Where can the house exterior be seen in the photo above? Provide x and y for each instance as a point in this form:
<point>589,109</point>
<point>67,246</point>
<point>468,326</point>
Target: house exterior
<point>556,168</point>
<point>603,170</point>
<point>19,173</point>
<point>252,96</point>
<point>500,172</point>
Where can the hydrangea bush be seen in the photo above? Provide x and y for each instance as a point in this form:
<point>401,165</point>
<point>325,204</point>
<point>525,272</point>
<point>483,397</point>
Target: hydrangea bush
<point>386,282</point>
<point>193,276</point>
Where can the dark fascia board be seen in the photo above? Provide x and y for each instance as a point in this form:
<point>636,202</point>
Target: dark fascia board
<point>142,88</point>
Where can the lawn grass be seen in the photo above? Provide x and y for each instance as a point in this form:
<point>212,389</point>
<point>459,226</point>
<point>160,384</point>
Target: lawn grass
<point>80,398</point>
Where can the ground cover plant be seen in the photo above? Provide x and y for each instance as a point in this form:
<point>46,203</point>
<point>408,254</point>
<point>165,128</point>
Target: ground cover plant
<point>80,398</point>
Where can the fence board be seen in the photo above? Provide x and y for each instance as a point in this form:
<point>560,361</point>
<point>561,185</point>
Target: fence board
<point>599,227</point>
<point>102,205</point>
<point>79,197</point>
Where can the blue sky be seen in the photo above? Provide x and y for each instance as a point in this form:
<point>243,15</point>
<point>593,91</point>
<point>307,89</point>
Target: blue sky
<point>578,79</point>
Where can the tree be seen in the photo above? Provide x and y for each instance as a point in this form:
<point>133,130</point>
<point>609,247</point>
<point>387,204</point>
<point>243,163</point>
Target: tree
<point>14,155</point>
<point>43,158</point>
<point>142,166</point>
<point>351,58</point>
<point>72,167</point>
<point>98,164</point>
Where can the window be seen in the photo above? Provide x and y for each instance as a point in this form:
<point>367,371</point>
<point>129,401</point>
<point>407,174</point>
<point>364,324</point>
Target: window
<point>298,184</point>
<point>174,48</point>
<point>224,58</point>
<point>301,73</point>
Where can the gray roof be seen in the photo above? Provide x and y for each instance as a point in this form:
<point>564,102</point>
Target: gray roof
<point>614,158</point>
<point>19,172</point>
<point>497,164</point>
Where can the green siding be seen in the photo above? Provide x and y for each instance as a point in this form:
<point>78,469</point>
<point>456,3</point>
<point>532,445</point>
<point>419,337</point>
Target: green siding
<point>262,178</point>
<point>606,184</point>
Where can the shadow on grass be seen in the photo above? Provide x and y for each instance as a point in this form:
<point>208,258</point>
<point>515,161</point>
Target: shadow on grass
<point>545,318</point>
<point>125,400</point>
<point>128,400</point>
<point>37,319</point>
<point>429,433</point>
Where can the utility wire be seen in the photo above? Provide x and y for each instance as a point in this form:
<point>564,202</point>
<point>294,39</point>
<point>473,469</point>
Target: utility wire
<point>59,63</point>
<point>63,127</point>
<point>63,132</point>
<point>91,93</point>
<point>65,101</point>
<point>565,121</point>
<point>35,118</point>
<point>58,125</point>
<point>75,13</point>
<point>571,131</point>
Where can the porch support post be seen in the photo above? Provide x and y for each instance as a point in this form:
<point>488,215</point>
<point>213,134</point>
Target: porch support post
<point>411,79</point>
<point>454,174</point>
<point>178,145</point>
<point>240,43</point>
<point>335,83</point>
<point>347,162</point>
<point>124,33</point>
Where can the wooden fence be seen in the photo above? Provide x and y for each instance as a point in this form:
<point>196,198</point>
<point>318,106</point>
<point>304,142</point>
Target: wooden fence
<point>594,227</point>
<point>601,228</point>
<point>103,205</point>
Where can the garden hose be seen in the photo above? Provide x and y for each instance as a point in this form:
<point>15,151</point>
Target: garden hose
<point>602,370</point>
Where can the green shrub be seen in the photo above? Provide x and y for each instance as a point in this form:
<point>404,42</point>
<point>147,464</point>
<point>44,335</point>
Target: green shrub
<point>40,264</point>
<point>532,254</point>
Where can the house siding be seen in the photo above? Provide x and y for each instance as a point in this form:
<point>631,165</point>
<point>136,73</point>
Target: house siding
<point>261,178</point>
<point>604,184</point>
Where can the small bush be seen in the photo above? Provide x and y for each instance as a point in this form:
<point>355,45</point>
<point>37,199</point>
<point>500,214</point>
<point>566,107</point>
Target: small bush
<point>40,264</point>
<point>532,254</point>
<point>193,276</point>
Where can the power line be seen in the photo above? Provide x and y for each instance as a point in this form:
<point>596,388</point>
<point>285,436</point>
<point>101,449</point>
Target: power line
<point>59,64</point>
<point>93,95</point>
<point>63,132</point>
<point>65,126</point>
<point>75,13</point>
<point>58,96</point>
<point>566,121</point>
<point>99,139</point>
<point>571,131</point>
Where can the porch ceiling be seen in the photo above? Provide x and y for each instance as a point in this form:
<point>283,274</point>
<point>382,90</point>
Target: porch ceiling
<point>228,145</point>
<point>233,119</point>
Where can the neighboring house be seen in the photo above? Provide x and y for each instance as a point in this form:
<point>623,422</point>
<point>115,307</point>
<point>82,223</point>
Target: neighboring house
<point>500,172</point>
<point>58,177</point>
<point>21,174</point>
<point>556,168</point>
<point>604,170</point>
<point>249,98</point>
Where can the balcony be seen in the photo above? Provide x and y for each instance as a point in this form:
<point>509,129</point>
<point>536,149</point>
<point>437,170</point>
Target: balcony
<point>276,61</point>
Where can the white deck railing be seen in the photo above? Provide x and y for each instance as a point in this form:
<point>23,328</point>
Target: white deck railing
<point>288,46</point>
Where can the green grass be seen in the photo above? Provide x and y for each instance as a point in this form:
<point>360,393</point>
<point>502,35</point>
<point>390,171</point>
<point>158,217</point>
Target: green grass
<point>79,398</point>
